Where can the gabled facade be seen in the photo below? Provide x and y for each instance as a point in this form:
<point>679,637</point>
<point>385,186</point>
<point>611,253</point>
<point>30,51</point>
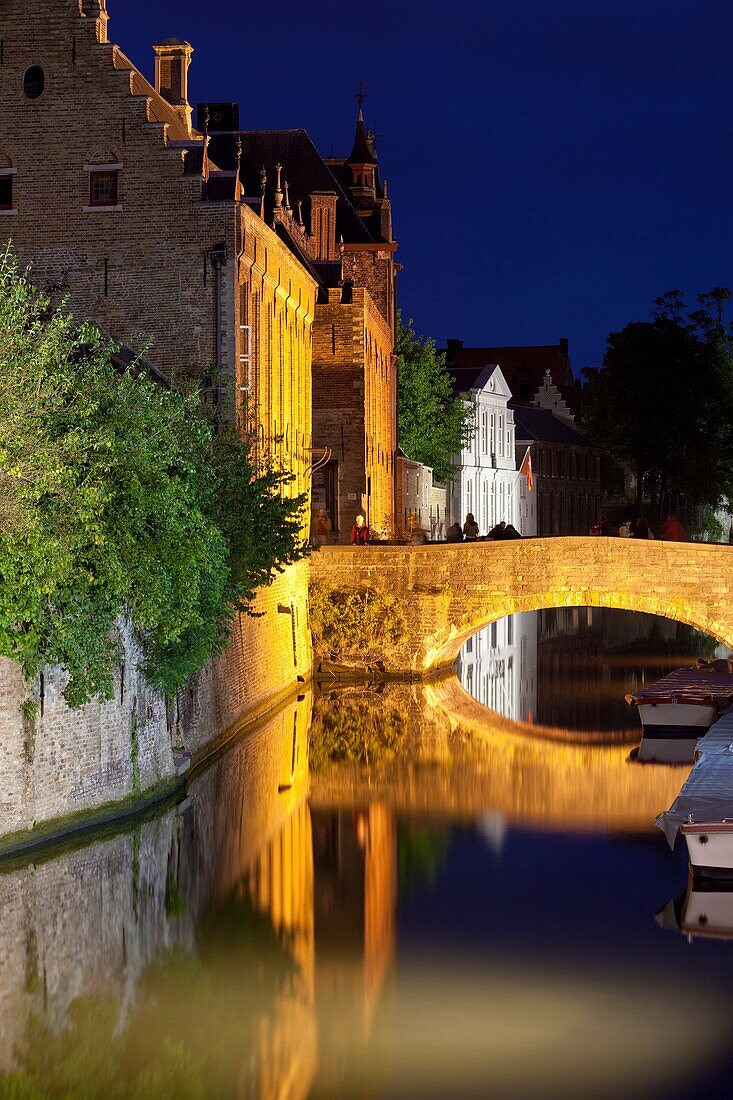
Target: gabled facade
<point>486,474</point>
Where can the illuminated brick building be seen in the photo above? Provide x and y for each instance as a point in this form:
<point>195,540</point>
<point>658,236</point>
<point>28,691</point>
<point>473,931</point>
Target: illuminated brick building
<point>340,214</point>
<point>105,190</point>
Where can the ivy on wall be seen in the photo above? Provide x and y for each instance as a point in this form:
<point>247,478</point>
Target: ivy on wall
<point>119,496</point>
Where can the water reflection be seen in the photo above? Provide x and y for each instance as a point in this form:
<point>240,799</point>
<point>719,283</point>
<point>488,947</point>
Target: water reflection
<point>572,667</point>
<point>391,892</point>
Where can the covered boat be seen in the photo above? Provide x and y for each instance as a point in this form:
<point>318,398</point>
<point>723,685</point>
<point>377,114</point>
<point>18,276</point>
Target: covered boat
<point>703,810</point>
<point>679,709</point>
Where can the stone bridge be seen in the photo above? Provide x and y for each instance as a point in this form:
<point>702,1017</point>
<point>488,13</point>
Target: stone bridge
<point>444,593</point>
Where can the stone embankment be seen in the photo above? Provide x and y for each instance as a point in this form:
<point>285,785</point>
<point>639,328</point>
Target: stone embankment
<point>65,769</point>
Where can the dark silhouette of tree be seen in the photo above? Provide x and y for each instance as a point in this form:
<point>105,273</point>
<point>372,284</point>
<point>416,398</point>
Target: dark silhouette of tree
<point>662,404</point>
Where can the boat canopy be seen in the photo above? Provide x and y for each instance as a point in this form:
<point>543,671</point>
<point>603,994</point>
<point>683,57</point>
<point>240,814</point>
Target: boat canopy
<point>707,795</point>
<point>688,685</point>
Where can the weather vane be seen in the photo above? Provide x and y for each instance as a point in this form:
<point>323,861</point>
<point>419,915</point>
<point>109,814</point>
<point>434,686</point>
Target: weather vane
<point>361,94</point>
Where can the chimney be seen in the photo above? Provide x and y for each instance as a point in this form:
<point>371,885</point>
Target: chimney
<point>452,349</point>
<point>97,10</point>
<point>323,224</point>
<point>172,59</point>
<point>563,346</point>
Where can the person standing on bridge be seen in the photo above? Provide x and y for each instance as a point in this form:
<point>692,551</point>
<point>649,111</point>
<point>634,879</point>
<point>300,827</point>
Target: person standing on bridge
<point>359,532</point>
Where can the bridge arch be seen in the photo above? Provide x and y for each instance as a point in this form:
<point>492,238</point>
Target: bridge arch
<point>449,592</point>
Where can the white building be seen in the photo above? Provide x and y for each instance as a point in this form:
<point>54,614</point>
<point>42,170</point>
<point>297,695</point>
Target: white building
<point>419,503</point>
<point>498,666</point>
<point>486,476</point>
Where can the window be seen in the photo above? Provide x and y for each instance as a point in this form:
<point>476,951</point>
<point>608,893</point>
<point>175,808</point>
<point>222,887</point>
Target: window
<point>501,435</point>
<point>103,187</point>
<point>484,432</point>
<point>34,82</point>
<point>6,192</point>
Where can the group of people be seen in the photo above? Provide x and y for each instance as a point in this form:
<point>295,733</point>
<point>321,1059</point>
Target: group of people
<point>671,530</point>
<point>470,531</point>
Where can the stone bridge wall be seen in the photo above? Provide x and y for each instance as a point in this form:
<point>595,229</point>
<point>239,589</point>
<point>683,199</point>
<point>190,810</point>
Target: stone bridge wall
<point>448,592</point>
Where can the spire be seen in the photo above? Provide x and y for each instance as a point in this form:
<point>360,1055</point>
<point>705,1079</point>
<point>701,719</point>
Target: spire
<point>362,152</point>
<point>263,188</point>
<point>278,187</point>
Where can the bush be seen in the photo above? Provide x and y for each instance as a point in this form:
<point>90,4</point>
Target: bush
<point>118,496</point>
<point>355,620</point>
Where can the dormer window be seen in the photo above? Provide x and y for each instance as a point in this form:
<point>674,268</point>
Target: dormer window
<point>104,191</point>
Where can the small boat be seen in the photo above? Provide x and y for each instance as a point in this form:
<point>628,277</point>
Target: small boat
<point>703,810</point>
<point>679,709</point>
<point>704,910</point>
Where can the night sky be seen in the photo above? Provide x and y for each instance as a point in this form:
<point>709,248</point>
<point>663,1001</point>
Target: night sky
<point>553,166</point>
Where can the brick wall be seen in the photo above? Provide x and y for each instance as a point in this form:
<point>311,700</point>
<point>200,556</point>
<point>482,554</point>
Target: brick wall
<point>145,274</point>
<point>65,761</point>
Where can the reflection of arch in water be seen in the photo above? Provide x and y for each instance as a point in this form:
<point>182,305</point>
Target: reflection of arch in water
<point>461,760</point>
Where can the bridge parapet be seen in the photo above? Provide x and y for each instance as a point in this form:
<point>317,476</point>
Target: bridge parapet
<point>446,592</point>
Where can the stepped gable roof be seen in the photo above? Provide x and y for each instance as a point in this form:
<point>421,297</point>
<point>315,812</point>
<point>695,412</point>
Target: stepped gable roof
<point>305,171</point>
<point>160,109</point>
<point>541,425</point>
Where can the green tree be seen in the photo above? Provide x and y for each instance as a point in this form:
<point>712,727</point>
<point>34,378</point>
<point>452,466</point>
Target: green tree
<point>117,496</point>
<point>434,422</point>
<point>662,404</point>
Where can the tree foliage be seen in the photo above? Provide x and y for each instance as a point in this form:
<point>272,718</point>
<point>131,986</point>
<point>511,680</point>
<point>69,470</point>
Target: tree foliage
<point>662,403</point>
<point>434,423</point>
<point>117,496</point>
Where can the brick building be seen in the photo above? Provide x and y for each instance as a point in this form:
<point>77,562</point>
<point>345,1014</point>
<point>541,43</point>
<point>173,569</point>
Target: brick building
<point>336,215</point>
<point>105,189</point>
<point>349,220</point>
<point>566,468</point>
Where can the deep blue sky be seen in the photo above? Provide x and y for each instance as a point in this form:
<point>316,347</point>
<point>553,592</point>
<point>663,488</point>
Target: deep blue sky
<point>553,166</point>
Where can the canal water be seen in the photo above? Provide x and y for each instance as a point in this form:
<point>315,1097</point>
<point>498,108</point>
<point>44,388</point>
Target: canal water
<point>450,889</point>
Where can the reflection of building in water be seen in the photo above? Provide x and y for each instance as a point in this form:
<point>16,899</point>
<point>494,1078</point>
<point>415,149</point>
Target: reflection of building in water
<point>498,666</point>
<point>355,871</point>
<point>571,667</point>
<point>207,908</point>
<point>588,658</point>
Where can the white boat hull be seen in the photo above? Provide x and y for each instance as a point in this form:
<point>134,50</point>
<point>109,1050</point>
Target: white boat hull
<point>710,849</point>
<point>670,720</point>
